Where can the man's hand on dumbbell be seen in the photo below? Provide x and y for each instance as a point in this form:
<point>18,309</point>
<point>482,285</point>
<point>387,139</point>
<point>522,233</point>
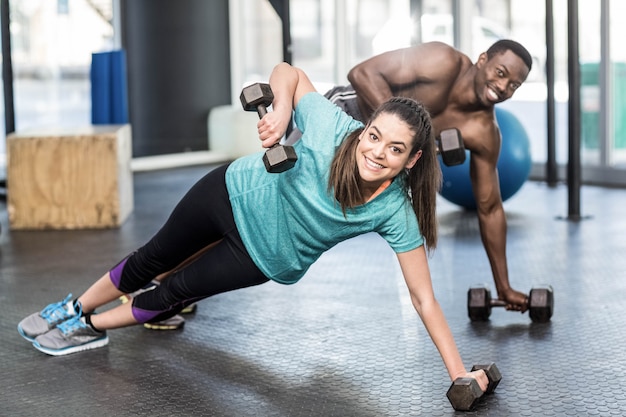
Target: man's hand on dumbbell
<point>539,303</point>
<point>515,300</point>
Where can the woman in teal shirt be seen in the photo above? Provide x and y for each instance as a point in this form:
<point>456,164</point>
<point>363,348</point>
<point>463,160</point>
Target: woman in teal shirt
<point>349,179</point>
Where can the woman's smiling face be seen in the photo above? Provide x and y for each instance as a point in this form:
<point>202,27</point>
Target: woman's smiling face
<point>384,150</point>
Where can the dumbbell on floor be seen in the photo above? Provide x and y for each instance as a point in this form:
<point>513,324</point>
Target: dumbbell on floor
<point>450,147</point>
<point>464,393</point>
<point>540,303</point>
<point>257,97</point>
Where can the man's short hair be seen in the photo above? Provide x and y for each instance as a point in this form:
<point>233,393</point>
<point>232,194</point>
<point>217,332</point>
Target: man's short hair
<point>504,45</point>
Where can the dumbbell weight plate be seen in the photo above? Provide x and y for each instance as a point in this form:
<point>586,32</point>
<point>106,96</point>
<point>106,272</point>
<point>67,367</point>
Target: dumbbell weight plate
<point>541,304</point>
<point>479,303</point>
<point>464,393</point>
<point>279,158</point>
<point>451,148</point>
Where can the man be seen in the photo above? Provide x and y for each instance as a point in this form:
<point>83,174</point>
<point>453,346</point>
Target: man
<point>461,94</point>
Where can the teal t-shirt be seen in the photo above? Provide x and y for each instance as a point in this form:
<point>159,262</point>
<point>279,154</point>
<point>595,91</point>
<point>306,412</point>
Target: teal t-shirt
<point>287,220</point>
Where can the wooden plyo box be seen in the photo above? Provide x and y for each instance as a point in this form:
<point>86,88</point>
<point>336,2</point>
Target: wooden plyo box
<point>76,178</point>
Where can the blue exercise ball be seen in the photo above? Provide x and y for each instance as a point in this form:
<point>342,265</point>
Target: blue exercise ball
<point>513,165</point>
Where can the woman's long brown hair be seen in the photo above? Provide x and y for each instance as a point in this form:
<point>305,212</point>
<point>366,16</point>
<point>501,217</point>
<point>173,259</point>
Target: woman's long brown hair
<point>422,182</point>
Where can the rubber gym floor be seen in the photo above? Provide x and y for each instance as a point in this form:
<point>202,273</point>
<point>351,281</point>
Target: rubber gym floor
<point>344,341</point>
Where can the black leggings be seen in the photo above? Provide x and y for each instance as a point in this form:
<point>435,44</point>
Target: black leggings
<point>203,217</point>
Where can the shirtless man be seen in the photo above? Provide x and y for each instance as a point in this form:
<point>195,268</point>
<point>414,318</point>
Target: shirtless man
<point>461,94</point>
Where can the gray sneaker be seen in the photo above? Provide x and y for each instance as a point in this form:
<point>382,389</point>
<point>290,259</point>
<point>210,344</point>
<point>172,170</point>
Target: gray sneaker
<point>73,335</point>
<point>47,319</point>
<point>173,323</point>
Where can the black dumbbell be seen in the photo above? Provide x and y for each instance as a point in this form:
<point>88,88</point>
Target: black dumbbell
<point>540,303</point>
<point>450,147</point>
<point>464,393</point>
<point>257,97</point>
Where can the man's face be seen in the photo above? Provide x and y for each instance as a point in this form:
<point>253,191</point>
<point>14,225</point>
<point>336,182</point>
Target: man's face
<point>499,77</point>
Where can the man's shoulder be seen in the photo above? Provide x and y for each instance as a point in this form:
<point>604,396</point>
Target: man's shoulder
<point>440,49</point>
<point>481,133</point>
<point>482,122</point>
<point>442,58</point>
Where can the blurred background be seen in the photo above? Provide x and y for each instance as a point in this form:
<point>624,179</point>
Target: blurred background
<point>186,56</point>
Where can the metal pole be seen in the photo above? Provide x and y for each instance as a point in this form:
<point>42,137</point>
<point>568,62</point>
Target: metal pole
<point>573,70</point>
<point>7,79</point>
<point>456,23</point>
<point>287,53</point>
<point>551,165</point>
<point>605,81</point>
<point>282,9</point>
<point>415,7</point>
<point>462,27</point>
<point>7,67</point>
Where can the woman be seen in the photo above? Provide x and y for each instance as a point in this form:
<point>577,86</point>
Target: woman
<point>350,179</point>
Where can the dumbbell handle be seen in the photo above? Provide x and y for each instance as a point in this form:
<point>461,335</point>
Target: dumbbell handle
<point>261,110</point>
<point>498,303</point>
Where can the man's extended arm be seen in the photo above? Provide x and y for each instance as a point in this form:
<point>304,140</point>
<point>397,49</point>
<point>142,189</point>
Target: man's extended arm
<point>399,72</point>
<point>371,83</point>
<point>493,228</point>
